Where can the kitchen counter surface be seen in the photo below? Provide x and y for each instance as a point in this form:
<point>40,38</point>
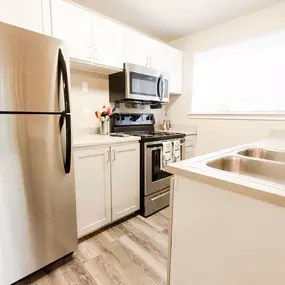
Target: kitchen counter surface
<point>184,129</point>
<point>197,169</point>
<point>187,133</point>
<point>98,140</point>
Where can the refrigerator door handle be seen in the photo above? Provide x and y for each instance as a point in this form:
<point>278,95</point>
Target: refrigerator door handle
<point>66,118</point>
<point>65,115</point>
<point>62,71</point>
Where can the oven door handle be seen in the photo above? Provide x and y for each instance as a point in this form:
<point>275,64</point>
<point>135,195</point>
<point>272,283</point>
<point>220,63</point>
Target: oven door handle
<point>155,145</point>
<point>159,196</point>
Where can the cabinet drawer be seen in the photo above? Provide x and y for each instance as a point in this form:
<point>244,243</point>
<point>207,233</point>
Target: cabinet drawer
<point>189,152</point>
<point>190,140</point>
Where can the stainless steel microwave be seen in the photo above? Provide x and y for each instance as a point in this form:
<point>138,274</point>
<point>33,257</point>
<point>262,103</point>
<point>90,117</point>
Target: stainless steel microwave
<point>139,83</point>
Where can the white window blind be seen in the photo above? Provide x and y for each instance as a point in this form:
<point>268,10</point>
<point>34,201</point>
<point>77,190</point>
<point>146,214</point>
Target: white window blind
<point>247,77</point>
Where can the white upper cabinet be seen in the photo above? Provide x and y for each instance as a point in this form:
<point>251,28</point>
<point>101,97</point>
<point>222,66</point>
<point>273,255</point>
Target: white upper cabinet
<point>142,50</point>
<point>108,42</point>
<point>102,43</point>
<point>91,38</point>
<point>174,66</point>
<point>158,56</point>
<point>74,25</point>
<point>137,48</point>
<point>33,15</point>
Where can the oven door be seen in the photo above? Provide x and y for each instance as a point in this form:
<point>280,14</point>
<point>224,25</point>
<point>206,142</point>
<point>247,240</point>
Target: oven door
<point>143,83</point>
<point>155,178</point>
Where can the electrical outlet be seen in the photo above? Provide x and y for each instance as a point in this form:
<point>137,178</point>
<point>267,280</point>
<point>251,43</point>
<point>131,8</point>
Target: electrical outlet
<point>86,113</point>
<point>85,87</point>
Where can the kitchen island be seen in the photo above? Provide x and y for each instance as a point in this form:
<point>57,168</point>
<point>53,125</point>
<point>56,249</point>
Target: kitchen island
<point>228,218</point>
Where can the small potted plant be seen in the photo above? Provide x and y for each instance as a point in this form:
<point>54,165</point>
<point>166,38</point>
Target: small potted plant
<point>104,118</point>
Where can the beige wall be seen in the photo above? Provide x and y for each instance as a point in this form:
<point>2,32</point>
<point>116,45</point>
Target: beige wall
<point>93,100</point>
<point>215,134</point>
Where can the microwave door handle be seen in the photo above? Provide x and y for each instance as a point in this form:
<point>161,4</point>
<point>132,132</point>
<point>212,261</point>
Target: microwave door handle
<point>163,88</point>
<point>158,87</point>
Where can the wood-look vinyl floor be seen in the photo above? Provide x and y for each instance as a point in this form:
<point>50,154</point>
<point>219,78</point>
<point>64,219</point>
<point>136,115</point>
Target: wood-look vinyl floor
<point>133,252</point>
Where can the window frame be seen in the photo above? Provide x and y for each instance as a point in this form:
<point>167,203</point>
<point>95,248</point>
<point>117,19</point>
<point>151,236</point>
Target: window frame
<point>239,115</point>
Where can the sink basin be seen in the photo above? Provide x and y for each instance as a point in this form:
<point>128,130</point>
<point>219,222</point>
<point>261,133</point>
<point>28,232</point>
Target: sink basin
<point>260,169</point>
<point>264,154</point>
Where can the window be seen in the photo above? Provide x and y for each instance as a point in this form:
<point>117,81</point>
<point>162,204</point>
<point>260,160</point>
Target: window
<point>247,77</point>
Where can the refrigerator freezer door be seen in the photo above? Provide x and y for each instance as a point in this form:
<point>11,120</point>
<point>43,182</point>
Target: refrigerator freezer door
<point>29,70</point>
<point>37,196</point>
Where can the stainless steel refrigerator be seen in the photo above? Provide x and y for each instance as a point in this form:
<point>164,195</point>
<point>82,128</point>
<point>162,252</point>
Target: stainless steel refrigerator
<point>37,195</point>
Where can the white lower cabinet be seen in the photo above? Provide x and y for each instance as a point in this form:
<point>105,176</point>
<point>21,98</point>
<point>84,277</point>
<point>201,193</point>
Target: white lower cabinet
<point>107,185</point>
<point>125,180</point>
<point>93,192</point>
<point>190,141</point>
<point>189,152</point>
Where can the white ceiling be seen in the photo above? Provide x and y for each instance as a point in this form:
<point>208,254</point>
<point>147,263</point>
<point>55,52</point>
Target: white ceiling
<point>172,19</point>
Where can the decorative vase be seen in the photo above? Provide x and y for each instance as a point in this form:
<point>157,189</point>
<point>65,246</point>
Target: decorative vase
<point>104,127</point>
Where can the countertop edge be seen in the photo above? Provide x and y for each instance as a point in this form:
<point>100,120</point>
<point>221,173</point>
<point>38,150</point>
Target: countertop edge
<point>254,192</point>
<point>269,193</point>
<point>108,141</point>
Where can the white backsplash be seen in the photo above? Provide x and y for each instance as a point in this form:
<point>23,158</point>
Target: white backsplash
<point>89,92</point>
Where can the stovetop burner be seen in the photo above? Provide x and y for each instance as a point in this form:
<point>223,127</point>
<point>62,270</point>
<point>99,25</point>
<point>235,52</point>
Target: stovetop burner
<point>154,135</point>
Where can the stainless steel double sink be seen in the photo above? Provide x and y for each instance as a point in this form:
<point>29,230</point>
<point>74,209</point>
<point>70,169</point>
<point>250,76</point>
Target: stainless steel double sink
<point>258,163</point>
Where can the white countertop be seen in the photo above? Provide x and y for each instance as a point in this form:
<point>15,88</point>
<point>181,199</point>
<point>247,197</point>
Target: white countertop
<point>197,169</point>
<point>185,132</point>
<point>97,140</point>
<point>188,130</point>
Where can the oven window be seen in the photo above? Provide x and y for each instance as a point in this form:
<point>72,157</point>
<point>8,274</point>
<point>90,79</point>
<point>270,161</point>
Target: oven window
<point>141,84</point>
<point>157,173</point>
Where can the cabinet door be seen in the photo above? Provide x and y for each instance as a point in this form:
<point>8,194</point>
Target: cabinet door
<point>125,180</point>
<point>74,25</point>
<point>92,182</point>
<point>25,14</point>
<point>190,140</point>
<point>159,56</point>
<point>108,39</point>
<point>174,60</point>
<point>46,17</point>
<point>189,152</point>
<point>136,48</point>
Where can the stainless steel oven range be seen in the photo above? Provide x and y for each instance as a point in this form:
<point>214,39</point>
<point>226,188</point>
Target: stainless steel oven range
<point>154,181</point>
